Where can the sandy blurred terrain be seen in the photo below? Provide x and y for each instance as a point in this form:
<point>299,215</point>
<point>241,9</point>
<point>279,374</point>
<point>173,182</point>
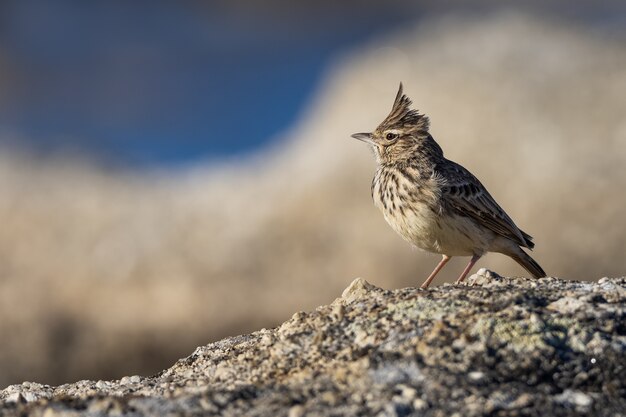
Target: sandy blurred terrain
<point>98,266</point>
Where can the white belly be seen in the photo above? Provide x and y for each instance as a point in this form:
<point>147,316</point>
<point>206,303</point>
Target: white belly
<point>455,236</point>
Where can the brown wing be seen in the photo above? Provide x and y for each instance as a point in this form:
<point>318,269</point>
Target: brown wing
<point>465,195</point>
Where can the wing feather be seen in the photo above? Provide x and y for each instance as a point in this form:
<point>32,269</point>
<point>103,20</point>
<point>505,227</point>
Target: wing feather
<point>465,195</point>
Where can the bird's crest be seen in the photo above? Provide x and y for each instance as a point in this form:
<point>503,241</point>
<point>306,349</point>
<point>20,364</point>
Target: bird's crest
<point>403,117</point>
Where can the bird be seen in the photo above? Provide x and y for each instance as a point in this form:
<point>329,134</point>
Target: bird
<point>434,203</point>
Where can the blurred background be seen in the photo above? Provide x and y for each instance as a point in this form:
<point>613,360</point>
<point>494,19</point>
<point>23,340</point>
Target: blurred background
<point>172,173</point>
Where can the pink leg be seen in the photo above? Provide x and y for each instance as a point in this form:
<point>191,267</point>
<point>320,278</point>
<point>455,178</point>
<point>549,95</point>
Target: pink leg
<point>440,265</point>
<point>469,266</point>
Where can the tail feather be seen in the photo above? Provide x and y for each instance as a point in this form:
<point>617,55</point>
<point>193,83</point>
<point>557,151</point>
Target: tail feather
<point>528,240</point>
<point>528,263</point>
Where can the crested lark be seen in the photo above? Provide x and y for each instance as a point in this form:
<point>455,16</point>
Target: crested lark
<point>434,203</point>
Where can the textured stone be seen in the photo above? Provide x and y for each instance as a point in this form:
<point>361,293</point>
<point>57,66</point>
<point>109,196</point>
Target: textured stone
<point>499,346</point>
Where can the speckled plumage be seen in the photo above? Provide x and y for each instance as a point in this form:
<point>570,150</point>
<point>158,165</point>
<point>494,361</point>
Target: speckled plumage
<point>434,203</point>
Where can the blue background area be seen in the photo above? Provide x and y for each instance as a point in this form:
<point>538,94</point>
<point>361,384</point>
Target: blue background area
<point>169,82</point>
<point>158,82</point>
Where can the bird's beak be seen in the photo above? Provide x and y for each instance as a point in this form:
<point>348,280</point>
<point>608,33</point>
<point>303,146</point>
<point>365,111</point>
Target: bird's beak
<point>365,137</point>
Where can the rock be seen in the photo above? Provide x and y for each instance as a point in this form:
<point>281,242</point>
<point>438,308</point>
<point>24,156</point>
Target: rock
<point>483,276</point>
<point>507,346</point>
<point>577,399</point>
<point>476,376</point>
<point>357,289</point>
<point>15,397</point>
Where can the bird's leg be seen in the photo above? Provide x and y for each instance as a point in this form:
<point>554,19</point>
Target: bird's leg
<point>469,266</point>
<point>440,265</point>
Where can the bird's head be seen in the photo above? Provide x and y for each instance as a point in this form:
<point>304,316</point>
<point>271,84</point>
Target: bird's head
<point>400,134</point>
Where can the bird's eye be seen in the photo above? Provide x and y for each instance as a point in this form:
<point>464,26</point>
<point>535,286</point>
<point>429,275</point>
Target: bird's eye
<point>391,136</point>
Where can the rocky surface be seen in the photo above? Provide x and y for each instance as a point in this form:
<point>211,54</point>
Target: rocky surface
<point>502,346</point>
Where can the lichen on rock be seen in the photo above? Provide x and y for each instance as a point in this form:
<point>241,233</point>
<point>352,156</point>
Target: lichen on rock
<point>499,345</point>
